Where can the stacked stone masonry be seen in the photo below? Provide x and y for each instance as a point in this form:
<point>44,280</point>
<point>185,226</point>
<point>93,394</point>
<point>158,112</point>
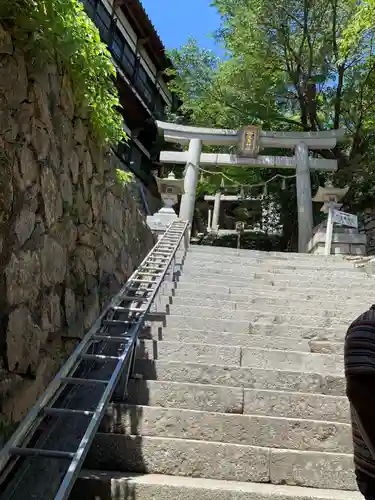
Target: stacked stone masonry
<point>369,230</point>
<point>243,390</point>
<point>69,234</point>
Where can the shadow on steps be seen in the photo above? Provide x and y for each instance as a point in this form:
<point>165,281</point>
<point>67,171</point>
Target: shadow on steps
<point>94,486</point>
<point>98,488</point>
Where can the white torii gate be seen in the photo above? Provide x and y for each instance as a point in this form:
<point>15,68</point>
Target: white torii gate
<point>300,142</point>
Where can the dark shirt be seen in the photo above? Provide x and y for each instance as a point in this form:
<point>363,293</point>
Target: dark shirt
<point>359,357</point>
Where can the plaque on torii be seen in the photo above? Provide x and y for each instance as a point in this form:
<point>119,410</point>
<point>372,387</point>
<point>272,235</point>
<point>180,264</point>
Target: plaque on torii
<point>249,142</point>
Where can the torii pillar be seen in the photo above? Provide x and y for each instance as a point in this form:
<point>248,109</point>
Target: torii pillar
<point>299,142</point>
<point>304,197</point>
<point>216,213</point>
<point>191,180</point>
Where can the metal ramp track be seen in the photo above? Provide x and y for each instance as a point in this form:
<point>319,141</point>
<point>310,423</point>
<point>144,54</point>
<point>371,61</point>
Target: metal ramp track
<point>103,360</point>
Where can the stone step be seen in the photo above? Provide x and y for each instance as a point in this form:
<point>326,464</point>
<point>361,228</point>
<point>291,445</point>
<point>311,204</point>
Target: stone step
<point>265,359</point>
<point>268,359</point>
<point>326,347</point>
<point>235,376</point>
<point>183,352</point>
<point>232,266</point>
<point>262,259</point>
<point>214,460</point>
<point>246,277</point>
<point>254,317</point>
<point>295,292</point>
<point>264,276</point>
<point>274,265</point>
<point>231,339</point>
<point>260,308</point>
<point>258,254</point>
<point>278,258</point>
<point>246,327</point>
<point>252,430</point>
<point>129,486</point>
<point>244,287</point>
<point>271,300</point>
<point>193,266</point>
<point>203,397</point>
<point>242,340</point>
<point>296,405</point>
<point>238,400</point>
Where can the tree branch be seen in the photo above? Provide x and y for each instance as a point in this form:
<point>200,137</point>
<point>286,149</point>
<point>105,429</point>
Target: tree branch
<point>334,29</point>
<point>338,97</point>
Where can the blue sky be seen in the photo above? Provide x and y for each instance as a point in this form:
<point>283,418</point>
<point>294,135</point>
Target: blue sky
<point>176,20</point>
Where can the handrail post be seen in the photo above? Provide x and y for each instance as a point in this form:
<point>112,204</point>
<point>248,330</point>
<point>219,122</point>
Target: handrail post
<point>329,232</point>
<point>187,239</point>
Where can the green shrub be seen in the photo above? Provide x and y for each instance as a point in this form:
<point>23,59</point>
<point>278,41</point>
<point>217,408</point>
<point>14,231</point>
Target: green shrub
<point>61,30</point>
<point>123,178</point>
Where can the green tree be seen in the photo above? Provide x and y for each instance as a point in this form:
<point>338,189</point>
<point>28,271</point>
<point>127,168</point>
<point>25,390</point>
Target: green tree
<point>291,65</point>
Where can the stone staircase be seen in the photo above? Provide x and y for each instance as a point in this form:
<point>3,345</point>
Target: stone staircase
<point>242,394</point>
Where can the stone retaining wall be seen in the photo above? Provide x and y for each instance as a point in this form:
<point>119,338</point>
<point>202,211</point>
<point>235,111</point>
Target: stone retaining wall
<point>369,229</point>
<point>69,234</point>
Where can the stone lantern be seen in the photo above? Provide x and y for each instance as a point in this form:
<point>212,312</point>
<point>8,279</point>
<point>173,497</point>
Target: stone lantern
<point>170,189</point>
<point>338,234</point>
<point>330,196</point>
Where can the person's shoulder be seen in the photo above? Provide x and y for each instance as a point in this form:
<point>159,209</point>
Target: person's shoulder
<point>365,321</point>
<point>366,316</point>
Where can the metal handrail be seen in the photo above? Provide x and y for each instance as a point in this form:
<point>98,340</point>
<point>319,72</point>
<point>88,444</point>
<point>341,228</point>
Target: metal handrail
<point>172,238</point>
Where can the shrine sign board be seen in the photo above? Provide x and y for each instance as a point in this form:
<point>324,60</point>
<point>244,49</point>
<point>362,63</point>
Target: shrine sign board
<point>344,219</point>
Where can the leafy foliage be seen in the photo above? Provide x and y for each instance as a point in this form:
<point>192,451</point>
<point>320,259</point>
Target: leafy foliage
<point>60,29</point>
<point>305,65</point>
<point>124,178</point>
<point>249,241</point>
<point>194,72</point>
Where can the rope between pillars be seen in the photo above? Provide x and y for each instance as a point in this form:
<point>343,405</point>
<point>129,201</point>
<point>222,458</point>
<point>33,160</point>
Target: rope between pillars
<point>236,183</point>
